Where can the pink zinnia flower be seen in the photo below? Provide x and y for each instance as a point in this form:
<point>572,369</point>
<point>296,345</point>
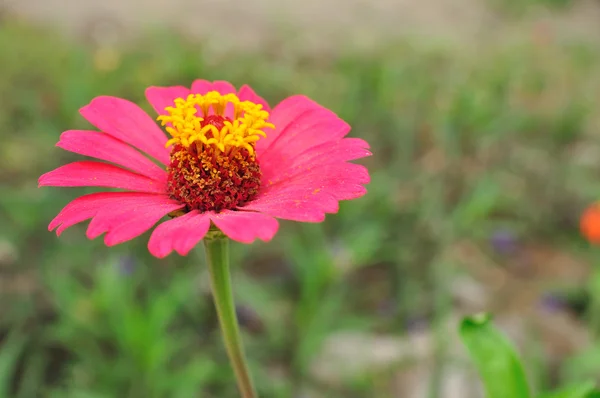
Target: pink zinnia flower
<point>230,160</point>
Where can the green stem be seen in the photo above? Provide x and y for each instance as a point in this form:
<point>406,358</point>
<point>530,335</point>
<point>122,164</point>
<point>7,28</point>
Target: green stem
<point>217,257</point>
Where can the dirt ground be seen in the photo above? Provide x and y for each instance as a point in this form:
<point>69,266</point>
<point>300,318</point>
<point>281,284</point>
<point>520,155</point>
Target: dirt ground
<point>312,23</point>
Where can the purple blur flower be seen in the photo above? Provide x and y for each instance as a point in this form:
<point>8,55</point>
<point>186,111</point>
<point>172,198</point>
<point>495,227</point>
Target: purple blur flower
<point>504,242</point>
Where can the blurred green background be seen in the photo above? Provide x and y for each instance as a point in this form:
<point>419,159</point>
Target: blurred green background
<point>486,149</point>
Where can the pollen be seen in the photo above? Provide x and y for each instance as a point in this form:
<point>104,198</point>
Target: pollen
<point>221,121</point>
<point>213,163</point>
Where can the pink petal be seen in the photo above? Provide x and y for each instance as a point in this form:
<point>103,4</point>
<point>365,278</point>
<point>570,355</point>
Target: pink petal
<point>223,87</point>
<point>180,234</point>
<point>201,87</point>
<point>281,116</point>
<point>113,212</point>
<point>97,174</point>
<point>127,122</point>
<point>308,196</point>
<point>299,126</point>
<point>138,224</point>
<point>287,208</point>
<point>304,163</point>
<point>333,190</point>
<point>306,132</point>
<point>296,112</point>
<point>162,97</point>
<point>126,220</point>
<point>247,94</point>
<point>332,178</point>
<point>244,226</point>
<point>343,150</point>
<point>103,146</point>
<point>87,206</point>
<point>204,86</point>
<point>325,154</point>
<point>298,194</point>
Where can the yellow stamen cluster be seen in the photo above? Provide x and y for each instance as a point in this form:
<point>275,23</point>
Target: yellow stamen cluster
<point>187,125</point>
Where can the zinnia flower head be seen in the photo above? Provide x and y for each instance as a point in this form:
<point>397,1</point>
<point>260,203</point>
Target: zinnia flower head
<point>230,160</point>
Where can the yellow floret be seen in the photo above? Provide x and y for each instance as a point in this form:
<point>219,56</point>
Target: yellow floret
<point>185,123</point>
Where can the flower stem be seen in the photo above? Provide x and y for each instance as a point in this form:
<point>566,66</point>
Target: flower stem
<point>217,256</point>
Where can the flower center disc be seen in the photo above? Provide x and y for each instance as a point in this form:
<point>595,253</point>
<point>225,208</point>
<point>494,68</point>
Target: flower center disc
<point>213,163</point>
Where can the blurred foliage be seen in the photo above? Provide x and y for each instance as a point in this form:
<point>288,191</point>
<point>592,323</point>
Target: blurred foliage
<point>501,368</point>
<point>498,363</point>
<point>524,7</point>
<point>465,145</point>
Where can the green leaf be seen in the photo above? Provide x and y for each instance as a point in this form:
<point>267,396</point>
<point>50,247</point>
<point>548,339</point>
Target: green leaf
<point>9,355</point>
<point>586,390</point>
<point>495,357</point>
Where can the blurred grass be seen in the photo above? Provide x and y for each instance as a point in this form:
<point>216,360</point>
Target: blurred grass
<point>523,7</point>
<point>465,144</point>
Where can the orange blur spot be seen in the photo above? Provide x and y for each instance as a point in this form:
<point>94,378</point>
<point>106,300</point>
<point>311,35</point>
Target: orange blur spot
<point>590,223</point>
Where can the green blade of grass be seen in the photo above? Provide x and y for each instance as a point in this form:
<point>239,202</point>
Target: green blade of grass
<point>495,358</point>
<point>585,390</point>
<point>9,355</point>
